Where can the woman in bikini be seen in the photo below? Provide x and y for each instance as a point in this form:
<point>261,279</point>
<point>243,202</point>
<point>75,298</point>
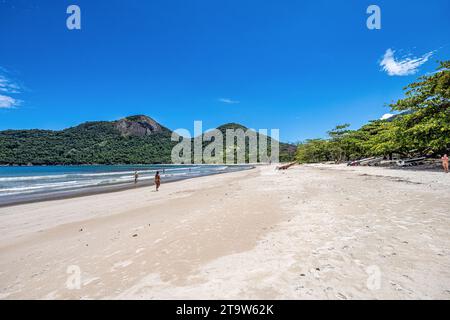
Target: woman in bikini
<point>157,180</point>
<point>445,163</point>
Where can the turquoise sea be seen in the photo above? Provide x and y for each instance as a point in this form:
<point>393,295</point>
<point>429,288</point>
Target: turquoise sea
<point>18,182</point>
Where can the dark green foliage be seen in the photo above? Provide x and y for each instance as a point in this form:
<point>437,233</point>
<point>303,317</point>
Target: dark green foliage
<point>286,150</point>
<point>421,128</point>
<point>88,143</point>
<point>94,143</point>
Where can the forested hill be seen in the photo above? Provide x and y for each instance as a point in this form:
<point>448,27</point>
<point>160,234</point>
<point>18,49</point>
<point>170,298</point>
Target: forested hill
<point>137,139</point>
<point>286,150</point>
<point>132,140</point>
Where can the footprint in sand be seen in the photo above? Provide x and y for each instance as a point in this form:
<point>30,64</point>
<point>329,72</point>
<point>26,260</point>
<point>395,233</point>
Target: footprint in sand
<point>121,264</point>
<point>90,280</point>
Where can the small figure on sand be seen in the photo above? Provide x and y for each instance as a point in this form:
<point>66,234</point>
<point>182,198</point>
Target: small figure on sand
<point>445,162</point>
<point>157,180</point>
<point>136,177</point>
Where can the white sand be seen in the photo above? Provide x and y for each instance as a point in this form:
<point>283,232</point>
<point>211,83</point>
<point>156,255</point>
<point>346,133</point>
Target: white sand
<point>312,232</point>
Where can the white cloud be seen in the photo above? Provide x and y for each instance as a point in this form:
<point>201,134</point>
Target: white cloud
<point>8,88</point>
<point>402,66</point>
<point>228,101</point>
<point>7,102</point>
<point>387,116</point>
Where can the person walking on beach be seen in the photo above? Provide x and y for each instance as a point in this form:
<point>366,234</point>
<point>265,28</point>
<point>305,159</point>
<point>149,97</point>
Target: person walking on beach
<point>136,176</point>
<point>157,180</point>
<point>445,162</point>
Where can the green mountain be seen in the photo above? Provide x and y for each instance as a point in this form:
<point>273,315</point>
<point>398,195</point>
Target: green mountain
<point>286,151</point>
<point>132,140</point>
<point>136,139</point>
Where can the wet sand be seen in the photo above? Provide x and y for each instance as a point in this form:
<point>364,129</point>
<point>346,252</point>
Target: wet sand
<point>99,189</point>
<point>312,232</point>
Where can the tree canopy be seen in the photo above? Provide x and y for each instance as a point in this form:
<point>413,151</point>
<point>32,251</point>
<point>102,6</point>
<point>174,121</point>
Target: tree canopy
<point>421,126</point>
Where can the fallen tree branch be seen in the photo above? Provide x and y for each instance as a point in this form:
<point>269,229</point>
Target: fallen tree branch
<point>287,166</point>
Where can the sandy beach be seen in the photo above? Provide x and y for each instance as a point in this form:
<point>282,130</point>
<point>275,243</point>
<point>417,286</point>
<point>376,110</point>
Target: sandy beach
<point>312,232</point>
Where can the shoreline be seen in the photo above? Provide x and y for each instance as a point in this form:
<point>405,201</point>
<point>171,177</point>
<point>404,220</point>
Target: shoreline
<point>94,190</point>
<point>132,164</point>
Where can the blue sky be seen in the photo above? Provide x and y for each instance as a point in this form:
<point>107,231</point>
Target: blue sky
<point>300,66</point>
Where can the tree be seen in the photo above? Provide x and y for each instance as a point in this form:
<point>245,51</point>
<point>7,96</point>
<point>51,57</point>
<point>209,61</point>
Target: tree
<point>425,124</point>
<point>315,150</point>
<point>338,143</point>
<point>422,127</point>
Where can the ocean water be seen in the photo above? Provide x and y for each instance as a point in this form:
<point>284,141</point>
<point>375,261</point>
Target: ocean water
<point>16,182</point>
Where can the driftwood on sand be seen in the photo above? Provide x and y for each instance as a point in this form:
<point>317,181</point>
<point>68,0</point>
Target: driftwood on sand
<point>286,166</point>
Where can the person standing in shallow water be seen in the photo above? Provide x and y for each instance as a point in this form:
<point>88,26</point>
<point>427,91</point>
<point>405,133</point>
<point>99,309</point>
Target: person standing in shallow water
<point>445,163</point>
<point>157,180</point>
<point>136,176</point>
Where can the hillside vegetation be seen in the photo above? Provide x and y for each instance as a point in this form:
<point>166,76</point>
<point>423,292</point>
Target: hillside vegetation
<point>132,140</point>
<point>422,127</point>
